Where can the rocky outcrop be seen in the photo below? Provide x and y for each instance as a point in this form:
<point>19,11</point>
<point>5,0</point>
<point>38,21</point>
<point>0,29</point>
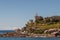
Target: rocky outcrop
<point>54,31</point>
<point>13,34</point>
<point>16,33</point>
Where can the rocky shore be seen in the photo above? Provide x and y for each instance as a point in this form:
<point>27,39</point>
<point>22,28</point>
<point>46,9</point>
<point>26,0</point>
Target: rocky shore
<point>18,33</point>
<point>14,34</point>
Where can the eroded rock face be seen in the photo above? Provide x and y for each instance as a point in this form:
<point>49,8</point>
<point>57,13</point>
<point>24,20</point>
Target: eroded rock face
<point>54,31</point>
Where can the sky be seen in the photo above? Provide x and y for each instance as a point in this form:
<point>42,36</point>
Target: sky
<point>16,13</point>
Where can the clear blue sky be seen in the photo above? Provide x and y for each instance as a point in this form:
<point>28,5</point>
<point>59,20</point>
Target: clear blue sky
<point>15,13</point>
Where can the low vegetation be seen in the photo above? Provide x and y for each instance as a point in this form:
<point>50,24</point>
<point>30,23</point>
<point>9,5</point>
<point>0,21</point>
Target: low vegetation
<point>40,24</point>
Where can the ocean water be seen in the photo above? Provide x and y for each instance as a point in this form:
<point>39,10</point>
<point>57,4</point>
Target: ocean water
<point>19,38</point>
<point>5,31</point>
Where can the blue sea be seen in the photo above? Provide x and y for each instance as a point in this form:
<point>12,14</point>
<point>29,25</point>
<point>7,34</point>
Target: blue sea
<point>5,31</point>
<point>19,38</point>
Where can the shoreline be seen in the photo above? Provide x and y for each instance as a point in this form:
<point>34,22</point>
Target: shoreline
<point>14,34</point>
